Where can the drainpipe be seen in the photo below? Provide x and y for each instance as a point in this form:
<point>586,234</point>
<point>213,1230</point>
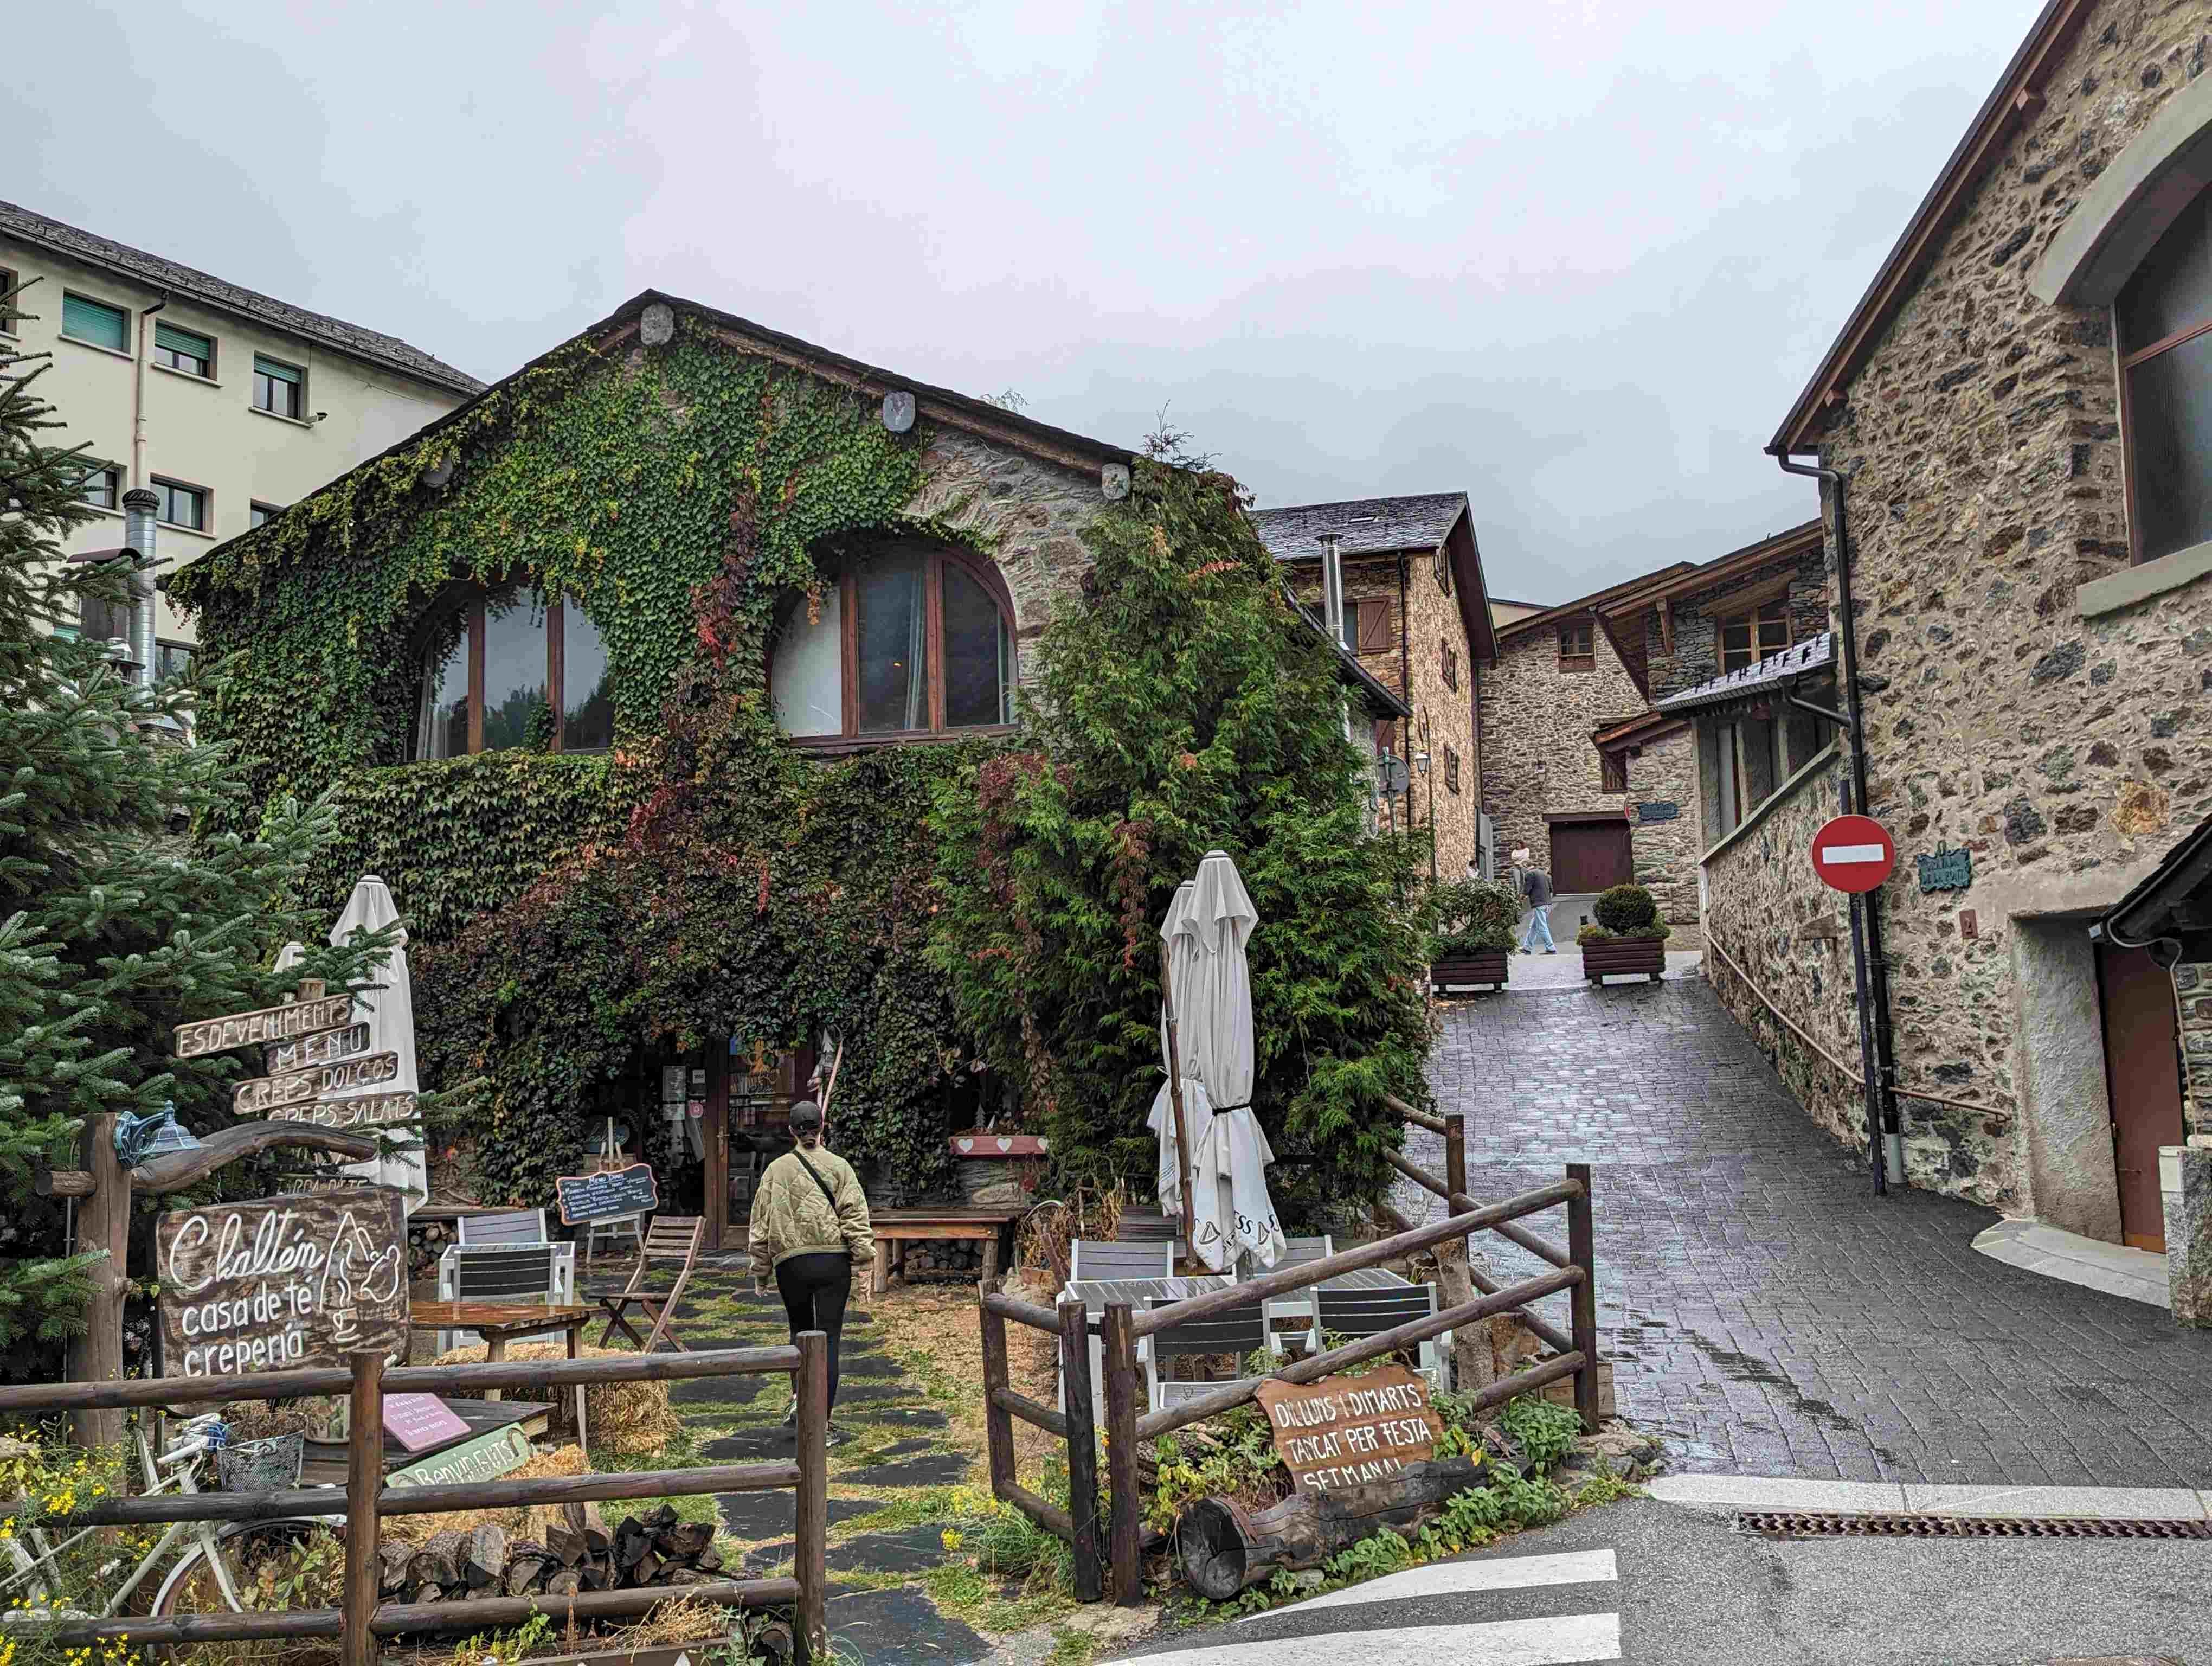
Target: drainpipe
<point>138,396</point>
<point>1877,1058</point>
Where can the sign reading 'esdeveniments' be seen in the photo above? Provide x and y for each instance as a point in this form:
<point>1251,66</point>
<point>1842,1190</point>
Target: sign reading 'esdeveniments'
<point>270,1024</point>
<point>281,1282</point>
<point>1350,1430</point>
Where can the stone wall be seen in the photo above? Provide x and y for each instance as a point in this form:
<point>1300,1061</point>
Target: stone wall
<point>1667,848</point>
<point>2064,752</point>
<point>1695,622</point>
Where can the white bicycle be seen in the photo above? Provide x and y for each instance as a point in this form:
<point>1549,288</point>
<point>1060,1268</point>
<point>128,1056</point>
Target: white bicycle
<point>212,1559</point>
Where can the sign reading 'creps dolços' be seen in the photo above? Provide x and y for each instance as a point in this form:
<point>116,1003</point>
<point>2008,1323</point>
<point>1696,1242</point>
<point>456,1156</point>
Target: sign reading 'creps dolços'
<point>258,1094</point>
<point>281,1282</point>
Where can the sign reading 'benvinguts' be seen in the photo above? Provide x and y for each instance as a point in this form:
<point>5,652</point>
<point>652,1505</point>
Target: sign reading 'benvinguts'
<point>281,1282</point>
<point>1349,1431</point>
<point>272,1024</point>
<point>260,1094</point>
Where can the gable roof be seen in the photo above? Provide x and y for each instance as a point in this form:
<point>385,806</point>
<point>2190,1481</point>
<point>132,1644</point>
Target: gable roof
<point>1597,601</point>
<point>2017,99</point>
<point>1422,524</point>
<point>1671,584</point>
<point>373,346</point>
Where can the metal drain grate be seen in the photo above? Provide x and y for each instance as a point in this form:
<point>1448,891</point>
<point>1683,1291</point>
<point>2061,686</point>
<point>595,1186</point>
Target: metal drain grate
<point>1836,1524</point>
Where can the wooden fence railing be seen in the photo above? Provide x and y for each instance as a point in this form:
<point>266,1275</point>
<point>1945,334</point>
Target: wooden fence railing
<point>364,1499</point>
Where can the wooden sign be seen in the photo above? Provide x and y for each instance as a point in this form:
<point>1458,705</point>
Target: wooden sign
<point>630,1191</point>
<point>280,1282</point>
<point>1350,1430</point>
<point>417,1421</point>
<point>485,1458</point>
<point>270,1024</point>
<point>326,1048</point>
<point>368,1110</point>
<point>259,1094</point>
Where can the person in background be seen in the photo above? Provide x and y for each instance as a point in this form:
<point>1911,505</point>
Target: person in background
<point>1536,888</point>
<point>810,1232</point>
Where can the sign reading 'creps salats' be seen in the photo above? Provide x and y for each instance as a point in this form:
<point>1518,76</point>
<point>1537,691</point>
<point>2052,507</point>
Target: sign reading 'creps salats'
<point>271,1024</point>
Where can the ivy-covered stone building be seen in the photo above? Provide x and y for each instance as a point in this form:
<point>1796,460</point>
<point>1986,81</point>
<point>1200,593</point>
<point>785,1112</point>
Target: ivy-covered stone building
<point>641,680</point>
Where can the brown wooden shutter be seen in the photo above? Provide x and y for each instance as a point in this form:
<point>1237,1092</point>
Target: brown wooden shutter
<point>1374,627</point>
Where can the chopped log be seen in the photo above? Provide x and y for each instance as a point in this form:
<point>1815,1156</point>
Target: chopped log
<point>663,1516</point>
<point>689,1576</point>
<point>597,1539</point>
<point>684,1540</point>
<point>595,1577</point>
<point>484,1563</point>
<point>429,1593</point>
<point>567,1583</point>
<point>709,1560</point>
<point>526,1574</point>
<point>565,1543</point>
<point>439,1561</point>
<point>632,1542</point>
<point>392,1558</point>
<point>641,1570</point>
<point>1225,1547</point>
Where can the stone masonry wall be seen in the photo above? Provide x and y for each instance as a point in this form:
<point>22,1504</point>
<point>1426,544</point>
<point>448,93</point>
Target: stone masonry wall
<point>1696,624</point>
<point>1667,850</point>
<point>1982,445</point>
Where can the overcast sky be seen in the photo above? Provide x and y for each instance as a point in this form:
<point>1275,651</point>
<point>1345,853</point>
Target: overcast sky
<point>1574,259</point>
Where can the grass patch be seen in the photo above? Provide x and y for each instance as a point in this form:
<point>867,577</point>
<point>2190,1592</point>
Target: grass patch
<point>924,1506</point>
<point>1071,1648</point>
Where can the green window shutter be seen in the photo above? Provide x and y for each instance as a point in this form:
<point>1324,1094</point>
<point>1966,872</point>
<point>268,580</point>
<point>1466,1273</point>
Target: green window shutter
<point>100,324</point>
<point>283,373</point>
<point>183,341</point>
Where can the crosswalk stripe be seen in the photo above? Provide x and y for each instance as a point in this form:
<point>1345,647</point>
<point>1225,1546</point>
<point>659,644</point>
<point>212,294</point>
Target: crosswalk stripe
<point>1565,1641</point>
<point>1578,1567</point>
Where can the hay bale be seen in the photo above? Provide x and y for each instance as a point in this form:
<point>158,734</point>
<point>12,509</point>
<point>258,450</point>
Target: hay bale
<point>628,1420</point>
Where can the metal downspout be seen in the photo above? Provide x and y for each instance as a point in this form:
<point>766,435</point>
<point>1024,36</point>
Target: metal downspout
<point>1870,976</point>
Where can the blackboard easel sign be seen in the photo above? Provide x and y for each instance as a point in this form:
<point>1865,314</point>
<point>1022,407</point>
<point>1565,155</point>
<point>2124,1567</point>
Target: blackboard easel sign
<point>586,1197</point>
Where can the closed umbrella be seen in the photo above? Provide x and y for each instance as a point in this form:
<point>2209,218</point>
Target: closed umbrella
<point>1179,935</point>
<point>1216,1035</point>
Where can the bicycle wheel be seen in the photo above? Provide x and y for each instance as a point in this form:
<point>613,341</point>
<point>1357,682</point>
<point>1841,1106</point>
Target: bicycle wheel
<point>194,1585</point>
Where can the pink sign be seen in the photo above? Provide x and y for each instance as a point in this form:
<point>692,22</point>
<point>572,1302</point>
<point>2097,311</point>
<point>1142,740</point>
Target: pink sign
<point>417,1420</point>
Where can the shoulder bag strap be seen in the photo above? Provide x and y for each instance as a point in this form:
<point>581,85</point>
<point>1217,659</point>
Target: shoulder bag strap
<point>818,1180</point>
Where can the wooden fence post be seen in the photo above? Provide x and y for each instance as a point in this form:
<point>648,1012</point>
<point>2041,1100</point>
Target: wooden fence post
<point>1081,1449</point>
<point>810,1632</point>
<point>1455,1158</point>
<point>1582,1251</point>
<point>997,1422</point>
<point>364,1482</point>
<point>103,1222</point>
<point>1120,1347</point>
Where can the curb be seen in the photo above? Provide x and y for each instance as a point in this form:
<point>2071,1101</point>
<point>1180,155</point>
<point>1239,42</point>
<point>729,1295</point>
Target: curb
<point>2104,1503</point>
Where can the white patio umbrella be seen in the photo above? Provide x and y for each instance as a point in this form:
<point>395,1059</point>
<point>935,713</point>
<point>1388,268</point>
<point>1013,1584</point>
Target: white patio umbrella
<point>1179,939</point>
<point>1217,1040</point>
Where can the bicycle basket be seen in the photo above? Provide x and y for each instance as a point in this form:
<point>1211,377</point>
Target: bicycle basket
<point>261,1466</point>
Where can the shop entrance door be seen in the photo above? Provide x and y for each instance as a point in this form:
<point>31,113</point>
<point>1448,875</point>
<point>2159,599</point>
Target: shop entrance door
<point>2142,1081</point>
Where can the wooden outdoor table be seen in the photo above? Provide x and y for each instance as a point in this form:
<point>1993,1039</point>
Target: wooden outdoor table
<point>897,1227</point>
<point>498,1322</point>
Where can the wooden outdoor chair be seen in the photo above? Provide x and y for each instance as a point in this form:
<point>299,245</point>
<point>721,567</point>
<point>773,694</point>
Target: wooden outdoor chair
<point>670,1241</point>
<point>1239,1331</point>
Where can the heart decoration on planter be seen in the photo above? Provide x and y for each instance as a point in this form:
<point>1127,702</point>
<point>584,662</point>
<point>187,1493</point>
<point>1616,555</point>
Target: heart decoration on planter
<point>966,1145</point>
<point>1005,1144</point>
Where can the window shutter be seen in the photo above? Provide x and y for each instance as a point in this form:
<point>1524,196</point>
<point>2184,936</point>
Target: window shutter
<point>283,373</point>
<point>89,320</point>
<point>1374,627</point>
<point>183,341</point>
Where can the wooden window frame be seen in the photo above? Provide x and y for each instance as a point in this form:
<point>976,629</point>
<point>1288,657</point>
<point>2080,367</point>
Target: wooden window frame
<point>1612,772</point>
<point>1578,658</point>
<point>206,528</point>
<point>1451,767</point>
<point>1357,612</point>
<point>1746,611</point>
<point>1448,663</point>
<point>473,638</point>
<point>850,737</point>
<point>2129,470</point>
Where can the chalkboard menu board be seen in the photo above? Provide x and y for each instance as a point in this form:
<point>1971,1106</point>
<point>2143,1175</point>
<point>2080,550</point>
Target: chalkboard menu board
<point>629,1191</point>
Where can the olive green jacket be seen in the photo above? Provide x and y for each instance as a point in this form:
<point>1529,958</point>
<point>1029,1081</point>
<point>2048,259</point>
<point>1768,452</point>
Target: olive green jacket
<point>791,1217</point>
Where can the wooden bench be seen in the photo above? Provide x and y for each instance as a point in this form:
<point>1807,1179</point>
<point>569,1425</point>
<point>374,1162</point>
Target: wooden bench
<point>896,1228</point>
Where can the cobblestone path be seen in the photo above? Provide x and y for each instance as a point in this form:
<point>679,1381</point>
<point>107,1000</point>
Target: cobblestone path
<point>1765,1312</point>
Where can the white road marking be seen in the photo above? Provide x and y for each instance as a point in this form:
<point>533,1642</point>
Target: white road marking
<point>1456,1578</point>
<point>1835,854</point>
<point>1560,1642</point>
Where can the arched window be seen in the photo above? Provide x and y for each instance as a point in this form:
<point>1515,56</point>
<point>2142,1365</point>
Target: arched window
<point>2164,316</point>
<point>912,642</point>
<point>509,655</point>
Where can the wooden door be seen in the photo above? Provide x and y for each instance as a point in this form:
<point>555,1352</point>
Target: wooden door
<point>1589,856</point>
<point>2142,1079</point>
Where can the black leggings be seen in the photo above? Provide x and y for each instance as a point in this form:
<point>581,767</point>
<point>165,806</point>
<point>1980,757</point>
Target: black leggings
<point>814,1288</point>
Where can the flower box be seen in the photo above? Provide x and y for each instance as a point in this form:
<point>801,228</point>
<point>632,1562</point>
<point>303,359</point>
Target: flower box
<point>998,1170</point>
<point>1490,968</point>
<point>1624,956</point>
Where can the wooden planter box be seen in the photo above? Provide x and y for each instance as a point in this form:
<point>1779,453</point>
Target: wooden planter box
<point>1622,957</point>
<point>1491,967</point>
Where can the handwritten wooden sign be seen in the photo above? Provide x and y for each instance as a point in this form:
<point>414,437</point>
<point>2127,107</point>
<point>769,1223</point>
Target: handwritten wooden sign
<point>260,1094</point>
<point>421,1421</point>
<point>1350,1430</point>
<point>280,1282</point>
<point>270,1024</point>
<point>367,1110</point>
<point>326,1048</point>
<point>484,1458</point>
<point>630,1191</point>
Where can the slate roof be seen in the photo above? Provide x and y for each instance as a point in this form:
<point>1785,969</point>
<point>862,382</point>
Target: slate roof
<point>1367,525</point>
<point>372,345</point>
<point>1813,653</point>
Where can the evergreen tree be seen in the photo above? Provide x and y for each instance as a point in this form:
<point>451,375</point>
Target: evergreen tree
<point>1185,706</point>
<point>114,928</point>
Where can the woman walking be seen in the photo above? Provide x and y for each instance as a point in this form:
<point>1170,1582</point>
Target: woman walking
<point>809,1228</point>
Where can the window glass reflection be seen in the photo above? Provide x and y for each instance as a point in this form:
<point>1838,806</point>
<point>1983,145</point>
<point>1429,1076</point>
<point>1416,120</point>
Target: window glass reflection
<point>893,646</point>
<point>587,718</point>
<point>514,669</point>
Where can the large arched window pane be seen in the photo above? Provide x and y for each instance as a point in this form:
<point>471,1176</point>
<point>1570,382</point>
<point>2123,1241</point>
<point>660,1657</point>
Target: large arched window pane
<point>588,697</point>
<point>892,645</point>
<point>514,669</point>
<point>806,679</point>
<point>446,724</point>
<point>2164,318</point>
<point>979,682</point>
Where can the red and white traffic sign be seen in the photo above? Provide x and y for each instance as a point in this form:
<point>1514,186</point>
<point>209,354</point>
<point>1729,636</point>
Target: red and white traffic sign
<point>1853,853</point>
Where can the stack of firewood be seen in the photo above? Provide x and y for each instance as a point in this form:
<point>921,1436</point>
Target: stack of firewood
<point>576,1555</point>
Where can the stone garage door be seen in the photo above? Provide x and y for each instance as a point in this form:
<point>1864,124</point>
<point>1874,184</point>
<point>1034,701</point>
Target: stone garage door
<point>1590,855</point>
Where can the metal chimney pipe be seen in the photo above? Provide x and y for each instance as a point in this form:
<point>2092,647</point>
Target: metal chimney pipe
<point>1332,587</point>
<point>138,534</point>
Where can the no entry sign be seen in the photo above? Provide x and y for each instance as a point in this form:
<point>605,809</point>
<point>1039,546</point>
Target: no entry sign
<point>1853,853</point>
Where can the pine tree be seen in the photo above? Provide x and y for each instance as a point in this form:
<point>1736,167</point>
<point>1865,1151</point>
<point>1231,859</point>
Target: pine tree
<point>113,927</point>
<point>1185,706</point>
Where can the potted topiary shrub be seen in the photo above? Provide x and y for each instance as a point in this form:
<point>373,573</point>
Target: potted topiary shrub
<point>1626,936</point>
<point>1471,943</point>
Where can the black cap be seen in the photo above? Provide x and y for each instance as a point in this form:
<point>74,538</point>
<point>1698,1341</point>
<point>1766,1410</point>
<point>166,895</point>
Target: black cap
<point>805,1117</point>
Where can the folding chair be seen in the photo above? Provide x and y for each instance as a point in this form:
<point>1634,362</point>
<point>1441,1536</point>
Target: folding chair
<point>1117,1258</point>
<point>1298,1307</point>
<point>505,1226</point>
<point>541,1273</point>
<point>1238,1332</point>
<point>672,1240</point>
<point>1354,1314</point>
